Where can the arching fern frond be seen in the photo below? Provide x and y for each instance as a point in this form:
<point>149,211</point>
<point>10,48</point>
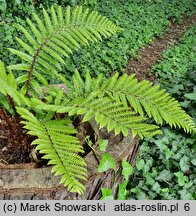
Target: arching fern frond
<point>142,96</point>
<point>112,102</point>
<point>113,115</point>
<point>146,98</point>
<point>106,112</point>
<point>54,37</point>
<point>56,142</point>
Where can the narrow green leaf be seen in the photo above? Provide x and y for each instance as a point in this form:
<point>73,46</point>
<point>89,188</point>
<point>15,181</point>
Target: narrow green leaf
<point>3,74</point>
<point>22,55</point>
<point>88,116</point>
<point>21,67</point>
<point>47,21</point>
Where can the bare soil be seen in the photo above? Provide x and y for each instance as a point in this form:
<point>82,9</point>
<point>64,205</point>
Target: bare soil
<point>14,142</point>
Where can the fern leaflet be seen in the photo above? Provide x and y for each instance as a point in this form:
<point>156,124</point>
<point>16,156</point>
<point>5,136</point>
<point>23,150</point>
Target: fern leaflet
<point>9,87</point>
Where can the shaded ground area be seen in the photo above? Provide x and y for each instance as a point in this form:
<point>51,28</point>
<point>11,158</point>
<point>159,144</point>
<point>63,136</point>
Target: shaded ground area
<point>14,141</point>
<point>151,54</point>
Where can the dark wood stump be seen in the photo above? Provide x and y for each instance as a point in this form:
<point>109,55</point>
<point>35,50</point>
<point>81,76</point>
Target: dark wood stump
<point>27,182</point>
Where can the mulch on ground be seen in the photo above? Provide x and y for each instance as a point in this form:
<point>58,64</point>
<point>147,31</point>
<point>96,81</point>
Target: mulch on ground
<point>151,54</point>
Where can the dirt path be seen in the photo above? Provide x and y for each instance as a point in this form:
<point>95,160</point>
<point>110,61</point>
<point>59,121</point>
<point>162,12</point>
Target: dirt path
<point>151,54</point>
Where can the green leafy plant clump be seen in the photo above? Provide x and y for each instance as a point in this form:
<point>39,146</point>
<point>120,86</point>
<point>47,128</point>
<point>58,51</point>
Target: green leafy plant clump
<point>177,71</point>
<point>175,60</point>
<point>12,13</point>
<point>119,103</point>
<point>165,168</point>
<point>141,20</point>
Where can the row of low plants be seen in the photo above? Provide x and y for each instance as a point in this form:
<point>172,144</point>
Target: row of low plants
<point>166,166</point>
<point>142,20</point>
<point>177,71</point>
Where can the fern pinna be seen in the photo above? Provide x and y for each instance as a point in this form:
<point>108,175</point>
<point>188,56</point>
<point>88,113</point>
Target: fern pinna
<point>9,91</point>
<point>120,103</point>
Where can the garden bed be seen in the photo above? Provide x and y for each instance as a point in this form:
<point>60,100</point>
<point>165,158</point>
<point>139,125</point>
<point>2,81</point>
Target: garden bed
<point>151,54</point>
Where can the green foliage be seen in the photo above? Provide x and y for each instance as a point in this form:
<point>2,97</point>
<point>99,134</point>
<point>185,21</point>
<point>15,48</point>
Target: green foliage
<point>122,190</point>
<point>102,144</point>
<point>127,170</point>
<point>59,146</point>
<point>167,170</point>
<point>177,71</point>
<point>181,178</point>
<point>119,103</point>
<point>142,20</point>
<point>108,101</point>
<point>12,13</point>
<point>175,61</point>
<point>166,166</point>
<point>126,90</point>
<point>107,162</point>
<point>53,38</point>
<point>167,163</point>
<point>106,194</point>
<point>9,90</point>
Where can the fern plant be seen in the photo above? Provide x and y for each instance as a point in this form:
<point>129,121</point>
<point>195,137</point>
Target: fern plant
<point>119,103</point>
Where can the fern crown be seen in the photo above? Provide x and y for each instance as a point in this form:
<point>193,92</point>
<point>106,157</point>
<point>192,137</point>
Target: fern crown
<point>45,47</point>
